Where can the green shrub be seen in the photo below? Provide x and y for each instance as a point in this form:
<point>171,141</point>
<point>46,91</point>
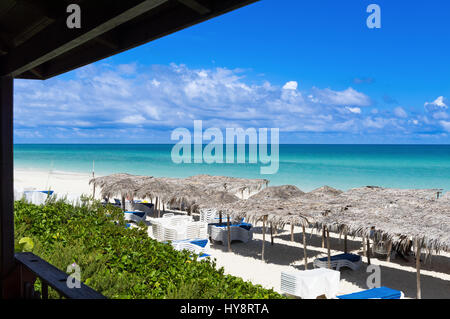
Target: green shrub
<point>120,262</point>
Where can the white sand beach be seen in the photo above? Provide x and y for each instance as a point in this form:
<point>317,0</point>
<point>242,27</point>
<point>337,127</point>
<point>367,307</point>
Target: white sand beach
<point>245,259</point>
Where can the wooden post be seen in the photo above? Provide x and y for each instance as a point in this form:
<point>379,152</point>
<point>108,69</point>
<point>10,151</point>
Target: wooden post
<point>345,241</point>
<point>159,207</point>
<point>305,254</point>
<point>229,233</point>
<point>271,234</point>
<point>292,232</point>
<point>123,203</point>
<point>93,176</point>
<point>389,250</point>
<point>328,249</point>
<point>419,292</point>
<point>323,236</point>
<point>368,250</point>
<point>6,177</point>
<point>364,246</point>
<point>220,217</point>
<point>264,237</point>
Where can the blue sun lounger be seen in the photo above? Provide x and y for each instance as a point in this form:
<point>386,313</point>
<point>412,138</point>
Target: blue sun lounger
<point>375,293</point>
<point>351,261</point>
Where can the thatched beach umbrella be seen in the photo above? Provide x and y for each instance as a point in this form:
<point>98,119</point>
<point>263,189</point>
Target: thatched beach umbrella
<point>213,200</point>
<point>157,188</point>
<point>124,185</point>
<point>275,205</point>
<point>233,185</point>
<point>323,194</point>
<point>396,216</point>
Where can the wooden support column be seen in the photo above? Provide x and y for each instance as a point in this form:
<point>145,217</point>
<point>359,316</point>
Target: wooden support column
<point>305,253</point>
<point>292,232</point>
<point>345,241</point>
<point>271,234</point>
<point>419,291</point>
<point>229,233</point>
<point>368,250</point>
<point>264,237</point>
<point>123,203</point>
<point>6,183</point>
<point>389,250</point>
<point>323,236</point>
<point>328,249</point>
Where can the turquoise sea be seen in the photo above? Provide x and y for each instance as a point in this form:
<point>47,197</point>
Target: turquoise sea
<point>306,166</point>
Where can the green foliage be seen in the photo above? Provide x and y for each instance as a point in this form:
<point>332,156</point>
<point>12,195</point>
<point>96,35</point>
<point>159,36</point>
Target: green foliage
<point>120,262</point>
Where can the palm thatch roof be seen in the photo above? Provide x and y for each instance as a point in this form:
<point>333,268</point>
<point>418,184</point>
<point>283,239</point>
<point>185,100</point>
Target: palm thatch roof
<point>233,185</point>
<point>325,191</point>
<point>276,204</point>
<point>122,184</point>
<point>398,215</point>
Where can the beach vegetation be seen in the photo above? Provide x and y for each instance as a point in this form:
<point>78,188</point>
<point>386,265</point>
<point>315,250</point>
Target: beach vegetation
<point>120,262</point>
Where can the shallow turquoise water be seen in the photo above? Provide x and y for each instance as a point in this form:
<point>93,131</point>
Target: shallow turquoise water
<point>306,166</point>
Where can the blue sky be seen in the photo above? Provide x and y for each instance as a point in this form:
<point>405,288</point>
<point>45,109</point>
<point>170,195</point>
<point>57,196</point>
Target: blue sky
<point>311,68</point>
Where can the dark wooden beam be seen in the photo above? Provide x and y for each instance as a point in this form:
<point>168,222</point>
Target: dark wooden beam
<point>6,184</point>
<point>194,5</point>
<point>96,19</point>
<point>37,73</point>
<point>106,42</point>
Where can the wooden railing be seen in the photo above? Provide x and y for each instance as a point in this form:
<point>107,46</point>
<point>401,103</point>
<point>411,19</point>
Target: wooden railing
<point>32,267</point>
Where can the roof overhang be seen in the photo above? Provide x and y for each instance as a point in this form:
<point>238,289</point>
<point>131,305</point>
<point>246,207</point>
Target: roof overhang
<point>36,43</point>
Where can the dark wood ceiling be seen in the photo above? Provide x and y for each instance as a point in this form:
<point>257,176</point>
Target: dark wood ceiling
<point>35,42</point>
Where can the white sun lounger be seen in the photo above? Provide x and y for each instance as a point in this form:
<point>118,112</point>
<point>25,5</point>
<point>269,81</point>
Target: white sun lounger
<point>220,233</point>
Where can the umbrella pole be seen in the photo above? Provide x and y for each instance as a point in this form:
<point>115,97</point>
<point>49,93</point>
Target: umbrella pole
<point>389,250</point>
<point>220,218</point>
<point>368,250</point>
<point>328,249</point>
<point>271,234</point>
<point>158,201</point>
<point>345,241</point>
<point>123,203</point>
<point>419,292</point>
<point>305,255</point>
<point>292,232</point>
<point>323,236</point>
<point>229,233</point>
<point>264,237</point>
<point>364,246</point>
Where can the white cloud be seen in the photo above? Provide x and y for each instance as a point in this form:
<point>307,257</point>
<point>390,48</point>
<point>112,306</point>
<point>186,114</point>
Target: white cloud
<point>347,97</point>
<point>400,112</point>
<point>445,125</point>
<point>291,85</point>
<point>355,110</point>
<point>104,101</point>
<point>436,105</point>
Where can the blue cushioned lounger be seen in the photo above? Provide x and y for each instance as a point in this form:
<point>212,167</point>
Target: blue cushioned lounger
<point>139,214</point>
<point>375,293</point>
<point>337,261</point>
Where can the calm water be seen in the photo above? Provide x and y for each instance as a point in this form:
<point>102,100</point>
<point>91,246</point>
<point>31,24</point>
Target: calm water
<point>306,166</point>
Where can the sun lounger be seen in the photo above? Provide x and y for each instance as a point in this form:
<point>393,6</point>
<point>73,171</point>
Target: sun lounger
<point>375,293</point>
<point>177,227</point>
<point>135,216</point>
<point>351,261</point>
<point>36,197</point>
<point>241,232</point>
<point>197,246</point>
<point>310,284</point>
